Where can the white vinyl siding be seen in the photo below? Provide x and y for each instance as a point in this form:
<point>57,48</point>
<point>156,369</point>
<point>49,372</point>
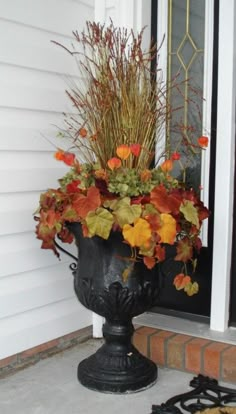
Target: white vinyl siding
<point>37,301</point>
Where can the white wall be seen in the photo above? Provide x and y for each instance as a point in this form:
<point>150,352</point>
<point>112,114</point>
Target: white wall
<point>133,14</point>
<point>37,301</point>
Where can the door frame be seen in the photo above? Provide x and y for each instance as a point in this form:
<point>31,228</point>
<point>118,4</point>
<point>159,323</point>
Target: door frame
<point>225,145</point>
<point>224,152</point>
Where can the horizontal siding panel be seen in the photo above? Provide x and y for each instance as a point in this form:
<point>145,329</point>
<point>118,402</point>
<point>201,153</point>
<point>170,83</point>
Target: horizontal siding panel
<point>37,302</point>
<point>31,160</point>
<point>16,212</point>
<point>32,90</point>
<point>23,130</point>
<point>22,253</point>
<point>35,279</point>
<point>110,3</point>
<point>29,48</point>
<point>28,139</point>
<point>12,203</point>
<point>37,326</point>
<point>24,261</point>
<point>58,16</point>
<point>31,290</point>
<point>29,180</point>
<point>17,222</point>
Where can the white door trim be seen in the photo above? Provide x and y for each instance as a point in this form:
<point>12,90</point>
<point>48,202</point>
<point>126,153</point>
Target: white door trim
<point>224,178</point>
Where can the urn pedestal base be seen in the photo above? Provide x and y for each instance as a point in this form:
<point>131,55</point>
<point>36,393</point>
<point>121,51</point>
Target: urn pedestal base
<point>117,367</point>
<point>107,282</point>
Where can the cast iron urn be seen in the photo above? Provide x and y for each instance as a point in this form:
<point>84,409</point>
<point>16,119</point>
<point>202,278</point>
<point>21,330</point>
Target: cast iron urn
<point>107,282</point>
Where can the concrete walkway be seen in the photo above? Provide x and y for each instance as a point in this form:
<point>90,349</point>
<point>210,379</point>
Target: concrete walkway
<point>51,387</point>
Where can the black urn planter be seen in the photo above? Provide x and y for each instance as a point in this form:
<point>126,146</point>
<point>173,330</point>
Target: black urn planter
<point>117,367</point>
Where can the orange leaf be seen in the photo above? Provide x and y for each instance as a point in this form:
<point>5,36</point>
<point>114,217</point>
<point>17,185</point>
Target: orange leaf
<point>181,281</point>
<point>149,262</point>
<point>167,232</point>
<point>164,202</point>
<point>145,175</point>
<point>82,132</point>
<point>184,250</point>
<point>85,204</point>
<point>167,166</point>
<point>123,151</point>
<point>59,155</point>
<point>139,234</point>
<point>114,163</point>
<point>49,218</point>
<point>160,253</point>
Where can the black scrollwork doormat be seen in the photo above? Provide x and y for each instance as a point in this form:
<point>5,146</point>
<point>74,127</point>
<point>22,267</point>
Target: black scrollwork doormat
<point>206,394</point>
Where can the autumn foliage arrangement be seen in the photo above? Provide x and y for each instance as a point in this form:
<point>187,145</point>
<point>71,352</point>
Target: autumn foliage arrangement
<point>115,182</point>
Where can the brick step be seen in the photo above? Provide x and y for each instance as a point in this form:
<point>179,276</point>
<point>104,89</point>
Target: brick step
<point>187,353</point>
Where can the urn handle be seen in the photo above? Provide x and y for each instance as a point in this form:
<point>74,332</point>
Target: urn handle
<point>73,266</point>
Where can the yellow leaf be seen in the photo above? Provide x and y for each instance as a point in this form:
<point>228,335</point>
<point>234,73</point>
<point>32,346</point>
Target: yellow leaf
<point>192,289</point>
<point>126,272</point>
<point>139,234</point>
<point>167,232</point>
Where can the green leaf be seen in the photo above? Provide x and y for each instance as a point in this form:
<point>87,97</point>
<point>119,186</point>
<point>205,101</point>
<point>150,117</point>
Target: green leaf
<point>110,204</point>
<point>126,213</point>
<point>99,223</point>
<point>190,212</point>
<point>70,214</point>
<point>149,209</point>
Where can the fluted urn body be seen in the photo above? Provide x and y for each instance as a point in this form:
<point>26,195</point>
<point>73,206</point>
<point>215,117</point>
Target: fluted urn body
<point>109,283</point>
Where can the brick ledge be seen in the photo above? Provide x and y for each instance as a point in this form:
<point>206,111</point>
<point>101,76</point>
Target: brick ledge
<point>166,348</point>
<point>33,355</point>
<point>187,353</point>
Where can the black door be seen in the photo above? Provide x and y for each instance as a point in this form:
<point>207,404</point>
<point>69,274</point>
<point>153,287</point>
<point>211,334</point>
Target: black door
<point>177,302</point>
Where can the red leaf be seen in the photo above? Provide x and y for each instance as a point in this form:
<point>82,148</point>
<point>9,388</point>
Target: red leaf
<point>164,202</point>
<point>154,221</point>
<point>203,141</point>
<point>66,236</point>
<point>135,149</point>
<point>69,158</point>
<point>175,156</point>
<point>184,250</point>
<point>72,187</point>
<point>84,204</point>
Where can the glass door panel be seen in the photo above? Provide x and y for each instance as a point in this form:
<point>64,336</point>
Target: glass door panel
<point>185,61</point>
<point>188,51</point>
